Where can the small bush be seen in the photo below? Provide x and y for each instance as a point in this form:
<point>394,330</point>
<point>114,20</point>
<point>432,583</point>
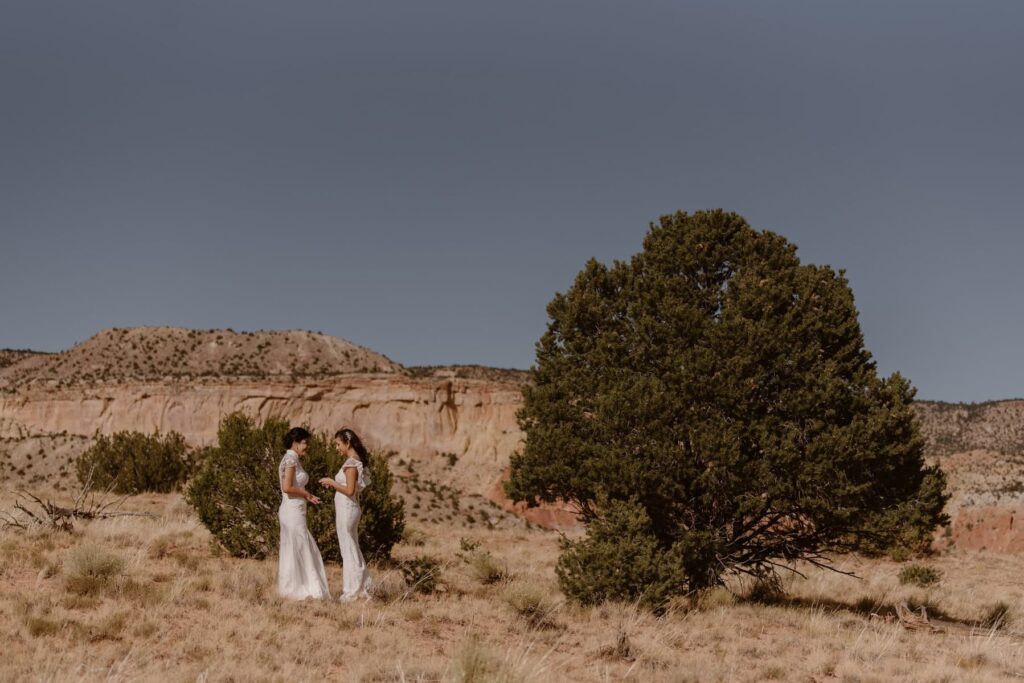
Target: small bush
<point>767,590</point>
<point>919,575</point>
<point>621,559</point>
<point>531,603</point>
<point>714,598</point>
<point>90,570</point>
<point>482,565</point>
<point>41,626</point>
<point>421,573</point>
<point>996,616</point>
<point>132,462</point>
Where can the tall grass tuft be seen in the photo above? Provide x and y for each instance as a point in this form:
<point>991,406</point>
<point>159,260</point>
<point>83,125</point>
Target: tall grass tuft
<point>530,602</point>
<point>91,569</point>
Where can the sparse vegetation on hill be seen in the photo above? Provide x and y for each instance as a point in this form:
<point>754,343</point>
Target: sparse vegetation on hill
<point>722,389</point>
<point>236,493</point>
<point>995,426</point>
<point>9,357</point>
<point>168,353</point>
<point>479,372</point>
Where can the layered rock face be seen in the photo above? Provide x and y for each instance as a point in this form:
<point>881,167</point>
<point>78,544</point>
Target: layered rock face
<point>455,425</point>
<point>420,418</point>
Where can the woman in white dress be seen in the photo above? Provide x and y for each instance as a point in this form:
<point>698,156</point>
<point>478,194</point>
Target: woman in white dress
<point>352,478</point>
<point>300,569</point>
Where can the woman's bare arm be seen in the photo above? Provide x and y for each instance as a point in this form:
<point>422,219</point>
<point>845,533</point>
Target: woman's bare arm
<point>291,489</point>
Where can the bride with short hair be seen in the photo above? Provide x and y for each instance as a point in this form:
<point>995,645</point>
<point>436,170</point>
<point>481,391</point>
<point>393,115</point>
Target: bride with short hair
<point>350,480</point>
<point>300,570</point>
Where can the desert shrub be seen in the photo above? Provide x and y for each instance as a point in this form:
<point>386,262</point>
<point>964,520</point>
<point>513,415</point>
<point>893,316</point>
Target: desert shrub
<point>481,564</point>
<point>919,575</point>
<point>716,597</point>
<point>621,559</point>
<point>91,569</point>
<point>725,388</point>
<point>382,523</point>
<point>133,462</point>
<point>996,615</point>
<point>421,573</point>
<point>236,492</point>
<point>767,590</point>
<point>530,602</point>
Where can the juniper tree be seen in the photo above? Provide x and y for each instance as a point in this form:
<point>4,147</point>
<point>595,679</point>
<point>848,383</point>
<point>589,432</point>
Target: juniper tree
<point>133,462</point>
<point>236,492</point>
<point>718,393</point>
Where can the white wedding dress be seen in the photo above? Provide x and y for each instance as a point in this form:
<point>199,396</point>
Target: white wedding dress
<point>356,581</point>
<point>300,569</point>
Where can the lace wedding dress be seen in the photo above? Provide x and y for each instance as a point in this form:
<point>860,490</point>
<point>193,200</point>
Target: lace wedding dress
<point>356,581</point>
<point>300,570</point>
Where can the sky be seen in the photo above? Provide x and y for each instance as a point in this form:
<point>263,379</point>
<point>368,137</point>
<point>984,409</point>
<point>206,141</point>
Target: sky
<point>422,178</point>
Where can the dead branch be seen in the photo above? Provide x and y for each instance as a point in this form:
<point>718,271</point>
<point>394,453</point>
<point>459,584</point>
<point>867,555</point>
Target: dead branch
<point>915,621</point>
<point>32,512</point>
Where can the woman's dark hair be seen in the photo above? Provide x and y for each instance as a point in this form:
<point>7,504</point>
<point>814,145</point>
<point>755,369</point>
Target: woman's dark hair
<point>295,435</point>
<point>350,438</point>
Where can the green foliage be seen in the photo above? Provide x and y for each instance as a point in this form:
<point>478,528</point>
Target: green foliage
<point>919,575</point>
<point>481,564</point>
<point>421,573</point>
<point>132,462</point>
<point>621,558</point>
<point>725,388</point>
<point>382,523</point>
<point>236,492</point>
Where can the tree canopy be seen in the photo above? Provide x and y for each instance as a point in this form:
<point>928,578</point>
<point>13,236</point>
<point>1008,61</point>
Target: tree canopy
<point>721,389</point>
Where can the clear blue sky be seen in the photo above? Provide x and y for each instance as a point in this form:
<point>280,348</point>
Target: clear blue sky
<point>422,177</point>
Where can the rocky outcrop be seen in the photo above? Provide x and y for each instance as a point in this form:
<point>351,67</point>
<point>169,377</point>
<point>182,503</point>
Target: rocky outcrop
<point>454,424</point>
<point>999,529</point>
<point>419,418</point>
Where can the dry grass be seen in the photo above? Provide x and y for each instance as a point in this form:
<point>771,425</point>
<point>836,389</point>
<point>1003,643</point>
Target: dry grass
<point>150,599</point>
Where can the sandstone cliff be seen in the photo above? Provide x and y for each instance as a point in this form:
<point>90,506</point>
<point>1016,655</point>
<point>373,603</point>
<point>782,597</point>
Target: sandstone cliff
<point>453,428</point>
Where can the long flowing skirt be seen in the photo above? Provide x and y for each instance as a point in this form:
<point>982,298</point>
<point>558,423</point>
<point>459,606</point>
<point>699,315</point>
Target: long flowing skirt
<point>300,569</point>
<point>356,581</point>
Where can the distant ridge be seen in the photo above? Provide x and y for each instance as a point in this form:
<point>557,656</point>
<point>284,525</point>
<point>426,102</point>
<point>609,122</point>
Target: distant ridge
<point>994,426</point>
<point>9,357</point>
<point>165,353</point>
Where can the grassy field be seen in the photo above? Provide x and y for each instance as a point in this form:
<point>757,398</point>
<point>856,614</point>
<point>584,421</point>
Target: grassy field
<point>153,599</point>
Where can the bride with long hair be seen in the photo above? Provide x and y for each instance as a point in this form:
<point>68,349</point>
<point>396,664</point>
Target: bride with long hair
<point>300,569</point>
<point>350,480</point>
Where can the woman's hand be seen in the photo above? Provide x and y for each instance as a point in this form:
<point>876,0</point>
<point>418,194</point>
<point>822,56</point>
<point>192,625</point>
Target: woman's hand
<point>327,481</point>
<point>312,499</point>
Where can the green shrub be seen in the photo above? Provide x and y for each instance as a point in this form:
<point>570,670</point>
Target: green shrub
<point>919,575</point>
<point>481,564</point>
<point>420,573</point>
<point>621,559</point>
<point>236,493</point>
<point>132,462</point>
<point>383,515</point>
